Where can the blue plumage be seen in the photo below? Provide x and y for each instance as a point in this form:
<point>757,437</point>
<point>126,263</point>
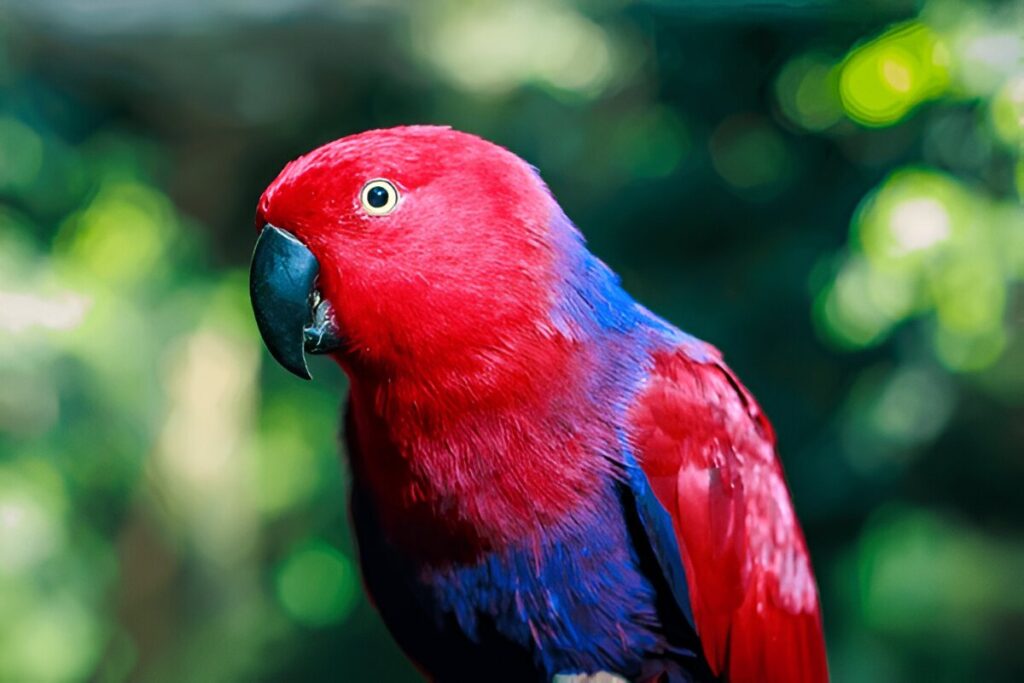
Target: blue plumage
<point>590,602</point>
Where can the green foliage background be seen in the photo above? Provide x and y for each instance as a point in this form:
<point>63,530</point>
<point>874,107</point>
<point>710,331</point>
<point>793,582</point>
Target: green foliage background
<point>829,191</point>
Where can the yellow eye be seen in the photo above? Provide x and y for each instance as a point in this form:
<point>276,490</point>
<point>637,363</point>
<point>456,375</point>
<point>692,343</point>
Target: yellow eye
<point>379,197</point>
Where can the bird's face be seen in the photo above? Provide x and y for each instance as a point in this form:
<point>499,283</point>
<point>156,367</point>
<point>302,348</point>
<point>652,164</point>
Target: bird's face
<point>401,245</point>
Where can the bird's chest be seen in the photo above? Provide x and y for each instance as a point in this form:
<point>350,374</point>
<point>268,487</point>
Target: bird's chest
<point>505,539</point>
<point>575,604</point>
<point>459,487</point>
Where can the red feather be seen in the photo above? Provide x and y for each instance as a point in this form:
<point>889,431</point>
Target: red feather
<point>709,454</point>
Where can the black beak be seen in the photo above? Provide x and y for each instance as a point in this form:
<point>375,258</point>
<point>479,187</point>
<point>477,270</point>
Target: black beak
<point>291,315</point>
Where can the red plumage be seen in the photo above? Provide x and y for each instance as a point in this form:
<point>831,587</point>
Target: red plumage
<point>503,389</point>
<point>709,454</point>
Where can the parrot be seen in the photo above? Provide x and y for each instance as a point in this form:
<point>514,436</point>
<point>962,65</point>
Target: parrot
<point>548,482</point>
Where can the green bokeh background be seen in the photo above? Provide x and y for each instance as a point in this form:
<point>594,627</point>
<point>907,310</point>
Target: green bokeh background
<point>829,191</point>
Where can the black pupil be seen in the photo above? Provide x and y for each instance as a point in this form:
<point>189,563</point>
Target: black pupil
<point>377,197</point>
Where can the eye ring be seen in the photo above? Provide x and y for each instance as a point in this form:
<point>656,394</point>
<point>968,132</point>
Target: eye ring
<point>379,197</point>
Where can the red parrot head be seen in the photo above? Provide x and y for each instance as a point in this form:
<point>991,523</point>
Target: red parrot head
<point>401,244</point>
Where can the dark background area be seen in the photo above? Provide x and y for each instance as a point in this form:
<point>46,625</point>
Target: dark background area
<point>827,191</point>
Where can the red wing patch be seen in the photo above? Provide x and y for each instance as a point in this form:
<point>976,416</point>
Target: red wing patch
<point>709,455</point>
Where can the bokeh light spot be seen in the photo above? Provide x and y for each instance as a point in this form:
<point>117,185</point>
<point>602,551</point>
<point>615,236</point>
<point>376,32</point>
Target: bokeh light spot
<point>807,91</point>
<point>846,314</point>
<point>1007,113</point>
<point>493,48</point>
<point>317,585</point>
<point>202,463</point>
<point>919,223</point>
<point>121,236</point>
<point>58,640</point>
<point>20,311</point>
<point>925,242</point>
<point>989,50</point>
<point>912,213</point>
<point>32,503</point>
<point>892,412</point>
<point>884,79</point>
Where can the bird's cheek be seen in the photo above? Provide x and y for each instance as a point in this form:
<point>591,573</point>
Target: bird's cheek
<point>346,294</point>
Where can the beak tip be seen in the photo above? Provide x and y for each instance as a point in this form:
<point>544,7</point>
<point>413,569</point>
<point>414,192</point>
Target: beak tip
<point>296,365</point>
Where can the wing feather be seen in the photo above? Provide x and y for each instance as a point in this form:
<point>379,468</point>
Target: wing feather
<point>709,455</point>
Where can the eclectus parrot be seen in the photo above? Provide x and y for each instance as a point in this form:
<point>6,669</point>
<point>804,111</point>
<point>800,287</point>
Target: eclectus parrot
<point>547,479</point>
